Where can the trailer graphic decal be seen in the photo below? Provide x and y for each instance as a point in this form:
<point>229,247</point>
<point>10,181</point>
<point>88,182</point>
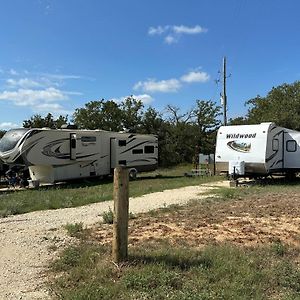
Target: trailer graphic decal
<point>276,163</point>
<point>139,144</point>
<point>47,150</point>
<point>239,146</point>
<point>271,156</point>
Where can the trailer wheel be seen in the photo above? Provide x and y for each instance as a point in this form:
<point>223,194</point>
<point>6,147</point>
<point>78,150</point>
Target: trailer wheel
<point>132,174</point>
<point>290,176</point>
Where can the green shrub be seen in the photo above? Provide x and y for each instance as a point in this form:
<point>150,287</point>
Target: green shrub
<point>74,230</point>
<point>108,217</point>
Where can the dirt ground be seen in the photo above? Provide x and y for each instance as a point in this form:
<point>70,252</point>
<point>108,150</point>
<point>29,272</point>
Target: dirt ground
<point>26,241</point>
<point>250,221</point>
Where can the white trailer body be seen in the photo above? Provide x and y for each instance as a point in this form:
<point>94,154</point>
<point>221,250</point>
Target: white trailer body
<point>54,155</point>
<point>260,149</point>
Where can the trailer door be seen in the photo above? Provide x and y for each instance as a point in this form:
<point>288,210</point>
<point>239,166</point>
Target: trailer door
<point>292,147</point>
<point>276,160</point>
<point>73,146</point>
<point>116,148</point>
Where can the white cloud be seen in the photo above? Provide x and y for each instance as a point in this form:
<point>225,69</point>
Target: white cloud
<point>13,72</point>
<point>38,100</point>
<point>188,30</point>
<point>195,76</point>
<point>173,33</point>
<point>72,93</point>
<point>164,86</point>
<point>169,39</point>
<point>24,97</point>
<point>8,125</point>
<point>157,30</point>
<point>54,108</point>
<point>171,85</point>
<point>145,98</point>
<point>61,76</point>
<point>23,83</point>
<point>40,92</point>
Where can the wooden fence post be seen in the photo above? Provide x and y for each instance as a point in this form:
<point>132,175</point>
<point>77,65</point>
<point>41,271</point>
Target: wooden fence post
<point>121,207</point>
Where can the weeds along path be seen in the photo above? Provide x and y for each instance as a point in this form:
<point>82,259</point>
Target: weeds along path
<point>28,242</point>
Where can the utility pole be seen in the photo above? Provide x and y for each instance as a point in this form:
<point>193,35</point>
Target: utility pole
<point>224,96</point>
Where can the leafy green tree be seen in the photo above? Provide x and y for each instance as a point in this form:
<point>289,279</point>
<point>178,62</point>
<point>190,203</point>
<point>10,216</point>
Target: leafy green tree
<point>101,114</point>
<point>132,113</point>
<point>281,105</point>
<point>238,121</point>
<point>207,120</point>
<point>37,121</point>
<point>182,135</point>
<point>153,123</point>
<point>61,120</point>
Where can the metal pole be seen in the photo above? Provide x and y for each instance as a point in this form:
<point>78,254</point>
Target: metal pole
<point>224,92</point>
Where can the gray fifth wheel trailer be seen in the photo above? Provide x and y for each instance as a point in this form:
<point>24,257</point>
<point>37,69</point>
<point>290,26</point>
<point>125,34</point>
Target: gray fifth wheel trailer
<point>54,155</point>
<point>257,150</point>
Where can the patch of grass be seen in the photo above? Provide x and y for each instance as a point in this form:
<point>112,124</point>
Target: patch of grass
<point>166,209</point>
<point>78,194</point>
<point>108,216</point>
<point>240,193</point>
<point>75,230</point>
<point>234,193</point>
<point>279,248</point>
<point>163,271</point>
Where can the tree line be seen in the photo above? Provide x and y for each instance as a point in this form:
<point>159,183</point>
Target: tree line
<point>281,105</point>
<point>179,133</point>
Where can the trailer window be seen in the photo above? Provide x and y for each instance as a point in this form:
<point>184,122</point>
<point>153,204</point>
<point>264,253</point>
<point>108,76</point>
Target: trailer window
<point>137,151</point>
<point>122,143</point>
<point>11,138</point>
<point>149,149</point>
<point>88,139</point>
<point>275,145</point>
<point>291,146</point>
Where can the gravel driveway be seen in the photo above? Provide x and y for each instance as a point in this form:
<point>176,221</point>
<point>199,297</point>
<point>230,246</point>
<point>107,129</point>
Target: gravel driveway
<point>26,241</point>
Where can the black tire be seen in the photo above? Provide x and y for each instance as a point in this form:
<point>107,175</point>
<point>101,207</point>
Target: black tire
<point>132,174</point>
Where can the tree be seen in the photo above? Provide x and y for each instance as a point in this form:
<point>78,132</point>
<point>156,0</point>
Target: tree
<point>37,121</point>
<point>61,120</point>
<point>132,113</point>
<point>109,115</point>
<point>238,121</point>
<point>100,114</point>
<point>281,106</point>
<point>181,135</point>
<point>206,116</point>
<point>153,123</point>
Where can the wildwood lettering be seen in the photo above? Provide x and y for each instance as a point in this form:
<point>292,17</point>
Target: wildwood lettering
<point>240,135</point>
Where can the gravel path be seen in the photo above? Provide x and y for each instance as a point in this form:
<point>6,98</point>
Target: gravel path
<point>26,241</point>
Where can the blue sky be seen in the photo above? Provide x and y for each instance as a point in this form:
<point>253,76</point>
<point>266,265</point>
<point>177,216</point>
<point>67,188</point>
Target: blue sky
<point>56,55</point>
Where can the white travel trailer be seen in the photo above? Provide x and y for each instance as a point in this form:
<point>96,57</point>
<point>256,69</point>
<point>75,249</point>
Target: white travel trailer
<point>257,150</point>
<point>54,155</point>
